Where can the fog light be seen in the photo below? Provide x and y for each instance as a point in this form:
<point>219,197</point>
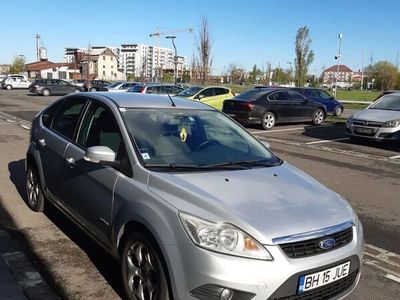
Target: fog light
<point>226,294</point>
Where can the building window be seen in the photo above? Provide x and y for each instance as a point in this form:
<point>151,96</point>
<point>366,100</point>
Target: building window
<point>62,75</point>
<point>112,58</point>
<point>104,66</point>
<point>104,73</point>
<point>112,67</point>
<point>104,58</point>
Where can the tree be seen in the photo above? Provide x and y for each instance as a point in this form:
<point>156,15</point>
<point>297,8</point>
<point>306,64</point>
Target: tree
<point>385,74</point>
<point>281,76</point>
<point>255,75</point>
<point>204,48</point>
<point>236,73</point>
<point>304,55</point>
<point>17,65</point>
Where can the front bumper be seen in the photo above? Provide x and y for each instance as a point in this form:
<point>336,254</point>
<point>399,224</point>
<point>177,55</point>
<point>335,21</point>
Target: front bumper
<point>373,133</point>
<point>193,269</point>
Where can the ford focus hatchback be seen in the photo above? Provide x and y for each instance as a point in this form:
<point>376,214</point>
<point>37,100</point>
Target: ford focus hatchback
<point>192,205</point>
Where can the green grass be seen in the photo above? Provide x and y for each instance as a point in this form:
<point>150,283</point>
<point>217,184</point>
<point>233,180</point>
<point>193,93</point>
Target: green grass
<point>355,105</point>
<point>357,95</point>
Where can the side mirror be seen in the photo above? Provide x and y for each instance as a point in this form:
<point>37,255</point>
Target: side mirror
<point>266,144</point>
<point>100,155</point>
<point>199,97</point>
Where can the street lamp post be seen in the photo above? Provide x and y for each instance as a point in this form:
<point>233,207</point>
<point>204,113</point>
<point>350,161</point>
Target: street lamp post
<point>338,62</point>
<point>171,37</point>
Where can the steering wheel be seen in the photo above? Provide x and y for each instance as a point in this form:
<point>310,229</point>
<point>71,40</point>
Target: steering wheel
<point>207,144</point>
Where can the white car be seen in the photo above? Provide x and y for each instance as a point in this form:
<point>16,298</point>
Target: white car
<point>15,82</point>
<point>120,86</point>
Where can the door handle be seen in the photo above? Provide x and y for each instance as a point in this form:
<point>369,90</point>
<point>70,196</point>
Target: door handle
<point>70,161</point>
<point>42,142</point>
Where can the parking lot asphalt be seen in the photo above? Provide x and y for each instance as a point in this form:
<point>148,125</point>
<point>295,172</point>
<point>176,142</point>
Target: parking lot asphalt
<point>365,173</point>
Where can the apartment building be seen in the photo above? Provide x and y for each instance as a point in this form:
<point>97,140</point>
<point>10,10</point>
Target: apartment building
<point>70,53</point>
<point>344,74</point>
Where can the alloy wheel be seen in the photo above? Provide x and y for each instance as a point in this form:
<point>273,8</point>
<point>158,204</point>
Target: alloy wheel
<point>32,188</point>
<point>318,117</point>
<point>142,272</point>
<point>269,121</point>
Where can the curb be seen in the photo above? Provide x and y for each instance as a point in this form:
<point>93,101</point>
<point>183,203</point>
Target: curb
<point>26,276</point>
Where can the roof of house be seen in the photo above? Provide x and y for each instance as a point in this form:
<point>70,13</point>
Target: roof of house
<point>334,68</point>
<point>46,64</point>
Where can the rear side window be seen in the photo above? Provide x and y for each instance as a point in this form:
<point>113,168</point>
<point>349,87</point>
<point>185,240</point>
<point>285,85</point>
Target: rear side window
<point>49,113</point>
<point>153,90</point>
<point>67,118</point>
<point>295,96</point>
<point>136,88</point>
<point>220,91</point>
<point>280,96</point>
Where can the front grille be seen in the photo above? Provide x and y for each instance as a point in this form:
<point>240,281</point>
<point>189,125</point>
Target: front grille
<point>367,123</point>
<point>325,292</point>
<point>311,247</point>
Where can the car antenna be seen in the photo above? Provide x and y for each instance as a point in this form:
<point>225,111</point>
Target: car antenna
<point>172,101</point>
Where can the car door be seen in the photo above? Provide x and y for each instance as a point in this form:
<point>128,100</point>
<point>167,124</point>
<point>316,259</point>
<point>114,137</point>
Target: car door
<point>65,87</point>
<point>284,107</point>
<point>323,98</point>
<point>300,105</point>
<point>53,138</point>
<point>90,185</point>
<point>206,96</point>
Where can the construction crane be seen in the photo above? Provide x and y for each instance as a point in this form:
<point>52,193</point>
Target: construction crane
<point>157,35</point>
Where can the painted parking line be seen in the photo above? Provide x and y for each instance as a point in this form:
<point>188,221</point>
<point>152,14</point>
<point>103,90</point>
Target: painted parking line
<point>392,277</point>
<point>327,141</point>
<point>277,130</point>
<point>394,157</point>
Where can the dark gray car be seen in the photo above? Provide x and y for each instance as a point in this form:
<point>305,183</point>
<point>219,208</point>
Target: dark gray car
<point>192,205</point>
<point>47,87</point>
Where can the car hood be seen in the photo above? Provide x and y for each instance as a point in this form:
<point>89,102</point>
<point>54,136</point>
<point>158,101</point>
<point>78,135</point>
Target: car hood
<point>377,115</point>
<point>265,202</point>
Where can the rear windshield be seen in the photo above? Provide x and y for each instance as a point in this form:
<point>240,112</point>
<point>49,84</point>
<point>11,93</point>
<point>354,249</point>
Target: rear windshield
<point>252,95</point>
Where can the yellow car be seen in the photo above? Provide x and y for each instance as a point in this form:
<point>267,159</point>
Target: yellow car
<point>212,95</point>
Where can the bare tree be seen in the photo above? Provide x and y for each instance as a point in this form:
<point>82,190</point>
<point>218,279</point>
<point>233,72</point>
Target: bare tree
<point>204,50</point>
<point>304,55</point>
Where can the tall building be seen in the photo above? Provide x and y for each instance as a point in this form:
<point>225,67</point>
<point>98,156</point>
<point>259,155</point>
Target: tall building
<point>138,60</point>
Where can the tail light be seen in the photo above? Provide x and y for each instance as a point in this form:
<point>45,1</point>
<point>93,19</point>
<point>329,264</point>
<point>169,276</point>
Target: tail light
<point>246,106</point>
<point>142,89</point>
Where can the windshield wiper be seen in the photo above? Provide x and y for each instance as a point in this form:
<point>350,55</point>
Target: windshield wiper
<point>172,166</point>
<point>246,164</point>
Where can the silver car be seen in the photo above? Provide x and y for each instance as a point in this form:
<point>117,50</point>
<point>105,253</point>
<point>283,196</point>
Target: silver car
<point>192,205</point>
<point>379,121</point>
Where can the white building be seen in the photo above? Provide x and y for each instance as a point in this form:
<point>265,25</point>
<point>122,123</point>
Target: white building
<point>101,63</point>
<point>137,60</point>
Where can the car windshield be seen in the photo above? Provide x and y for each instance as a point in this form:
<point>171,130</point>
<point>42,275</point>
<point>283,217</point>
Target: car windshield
<point>183,139</point>
<point>388,102</point>
<point>112,85</point>
<point>190,91</point>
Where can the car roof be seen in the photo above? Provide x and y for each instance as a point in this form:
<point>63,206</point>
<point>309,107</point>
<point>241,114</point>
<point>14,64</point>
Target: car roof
<point>131,100</point>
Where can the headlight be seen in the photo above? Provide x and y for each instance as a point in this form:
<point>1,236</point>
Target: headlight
<point>350,120</point>
<point>223,238</point>
<point>393,123</point>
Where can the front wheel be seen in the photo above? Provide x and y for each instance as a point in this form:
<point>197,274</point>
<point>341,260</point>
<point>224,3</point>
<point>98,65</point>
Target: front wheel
<point>93,90</point>
<point>9,87</point>
<point>46,92</point>
<point>318,116</point>
<point>338,111</point>
<point>268,120</point>
<point>143,274</point>
<point>34,193</point>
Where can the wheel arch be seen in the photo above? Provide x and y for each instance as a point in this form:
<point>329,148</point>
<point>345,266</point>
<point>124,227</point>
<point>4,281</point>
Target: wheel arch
<point>33,158</point>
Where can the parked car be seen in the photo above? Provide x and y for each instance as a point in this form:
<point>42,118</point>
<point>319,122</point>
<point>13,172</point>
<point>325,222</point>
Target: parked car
<point>96,85</point>
<point>213,95</point>
<point>273,105</point>
<point>120,86</point>
<point>333,106</point>
<point>78,82</point>
<point>190,202</point>
<point>15,82</point>
<point>379,121</point>
<point>47,87</point>
<point>156,88</point>
<point>386,93</point>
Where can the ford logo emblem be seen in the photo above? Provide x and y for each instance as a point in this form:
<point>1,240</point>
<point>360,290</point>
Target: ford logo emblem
<point>327,243</point>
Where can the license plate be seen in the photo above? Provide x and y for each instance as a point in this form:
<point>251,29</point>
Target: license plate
<point>363,130</point>
<point>318,279</point>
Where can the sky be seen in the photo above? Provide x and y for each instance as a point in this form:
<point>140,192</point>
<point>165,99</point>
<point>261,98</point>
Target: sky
<point>243,32</point>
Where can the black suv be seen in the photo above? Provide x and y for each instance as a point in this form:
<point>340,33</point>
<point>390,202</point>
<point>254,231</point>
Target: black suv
<point>96,85</point>
<point>47,87</point>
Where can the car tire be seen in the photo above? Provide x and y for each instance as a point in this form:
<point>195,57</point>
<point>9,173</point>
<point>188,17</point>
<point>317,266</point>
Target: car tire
<point>46,92</point>
<point>338,111</point>
<point>8,87</point>
<point>93,89</point>
<point>268,120</point>
<point>142,261</point>
<point>318,116</point>
<point>34,194</point>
